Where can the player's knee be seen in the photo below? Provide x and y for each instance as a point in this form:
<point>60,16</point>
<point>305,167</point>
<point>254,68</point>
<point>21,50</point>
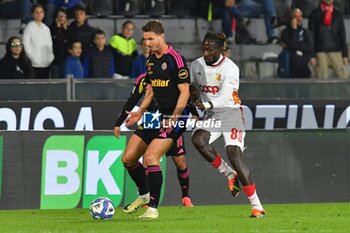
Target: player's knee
<point>149,159</point>
<point>180,162</point>
<point>234,153</point>
<point>127,162</point>
<point>198,140</point>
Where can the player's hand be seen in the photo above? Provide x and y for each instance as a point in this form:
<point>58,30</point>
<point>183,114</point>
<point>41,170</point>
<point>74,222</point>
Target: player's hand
<point>117,132</point>
<point>313,61</point>
<point>345,60</point>
<point>133,118</point>
<point>294,23</point>
<point>199,104</point>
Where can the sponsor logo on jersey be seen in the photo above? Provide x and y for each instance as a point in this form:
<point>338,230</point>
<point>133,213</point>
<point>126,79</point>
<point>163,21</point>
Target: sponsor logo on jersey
<point>183,73</point>
<point>218,77</point>
<point>164,66</point>
<point>160,83</point>
<point>209,89</point>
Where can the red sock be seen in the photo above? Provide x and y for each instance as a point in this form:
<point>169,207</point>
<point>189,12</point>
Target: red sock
<point>217,161</point>
<point>249,189</point>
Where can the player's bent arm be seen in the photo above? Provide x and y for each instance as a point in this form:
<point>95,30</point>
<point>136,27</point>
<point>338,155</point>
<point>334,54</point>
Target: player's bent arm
<point>195,95</point>
<point>136,116</point>
<point>184,89</point>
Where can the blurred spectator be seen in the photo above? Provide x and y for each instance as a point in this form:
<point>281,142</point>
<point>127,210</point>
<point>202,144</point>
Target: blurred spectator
<point>326,23</point>
<point>255,8</point>
<point>72,64</point>
<point>80,29</point>
<point>37,43</point>
<point>99,62</point>
<point>228,10</point>
<point>124,49</point>
<point>15,64</point>
<point>139,66</point>
<point>53,5</point>
<point>59,33</point>
<point>25,13</point>
<point>298,42</point>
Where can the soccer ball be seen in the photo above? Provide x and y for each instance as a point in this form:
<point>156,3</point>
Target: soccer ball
<point>102,208</point>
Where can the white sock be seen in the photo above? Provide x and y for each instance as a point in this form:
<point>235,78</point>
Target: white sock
<point>226,169</point>
<point>255,202</point>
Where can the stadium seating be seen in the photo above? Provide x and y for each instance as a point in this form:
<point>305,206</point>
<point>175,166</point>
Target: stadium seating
<point>9,9</point>
<point>129,7</point>
<point>341,5</point>
<point>306,6</point>
<point>101,7</point>
<point>154,8</point>
<point>283,11</point>
<point>181,8</point>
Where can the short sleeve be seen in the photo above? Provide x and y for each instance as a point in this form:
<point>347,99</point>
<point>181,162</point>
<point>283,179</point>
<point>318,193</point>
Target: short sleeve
<point>182,72</point>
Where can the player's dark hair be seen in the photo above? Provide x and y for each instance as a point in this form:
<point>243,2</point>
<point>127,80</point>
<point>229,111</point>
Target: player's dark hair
<point>218,38</point>
<point>154,26</point>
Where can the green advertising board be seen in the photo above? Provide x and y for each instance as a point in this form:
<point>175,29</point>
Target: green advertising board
<point>104,170</point>
<point>62,170</point>
<point>70,175</point>
<point>1,155</point>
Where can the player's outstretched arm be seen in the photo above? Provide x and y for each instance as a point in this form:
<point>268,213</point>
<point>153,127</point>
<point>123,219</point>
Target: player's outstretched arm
<point>136,116</point>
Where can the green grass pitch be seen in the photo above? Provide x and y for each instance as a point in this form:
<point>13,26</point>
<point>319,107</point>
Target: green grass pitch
<point>313,218</point>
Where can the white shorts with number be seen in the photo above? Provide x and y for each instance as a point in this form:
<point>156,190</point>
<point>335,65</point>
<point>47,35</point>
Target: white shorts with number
<point>228,122</point>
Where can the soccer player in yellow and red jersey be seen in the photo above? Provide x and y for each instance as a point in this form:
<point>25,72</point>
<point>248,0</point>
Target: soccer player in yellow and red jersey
<point>217,79</point>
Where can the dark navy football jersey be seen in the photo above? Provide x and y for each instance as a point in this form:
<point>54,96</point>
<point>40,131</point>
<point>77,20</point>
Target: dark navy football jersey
<point>164,74</point>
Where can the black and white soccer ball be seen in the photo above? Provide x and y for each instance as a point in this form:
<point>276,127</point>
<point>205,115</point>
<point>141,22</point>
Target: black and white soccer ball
<point>102,208</point>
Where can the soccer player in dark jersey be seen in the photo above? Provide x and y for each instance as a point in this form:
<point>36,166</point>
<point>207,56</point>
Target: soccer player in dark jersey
<point>169,81</point>
<point>177,151</point>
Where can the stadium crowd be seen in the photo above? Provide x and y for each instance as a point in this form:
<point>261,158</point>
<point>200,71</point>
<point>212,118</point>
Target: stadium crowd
<point>54,48</point>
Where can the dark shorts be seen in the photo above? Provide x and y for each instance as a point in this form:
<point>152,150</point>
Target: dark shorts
<point>177,149</point>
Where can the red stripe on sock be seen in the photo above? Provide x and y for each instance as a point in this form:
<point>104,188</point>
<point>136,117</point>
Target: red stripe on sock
<point>133,167</point>
<point>156,168</point>
<point>249,189</point>
<point>217,161</point>
<point>185,174</point>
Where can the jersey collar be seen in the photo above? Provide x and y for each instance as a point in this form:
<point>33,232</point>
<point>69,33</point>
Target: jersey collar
<point>169,49</point>
<point>221,59</point>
